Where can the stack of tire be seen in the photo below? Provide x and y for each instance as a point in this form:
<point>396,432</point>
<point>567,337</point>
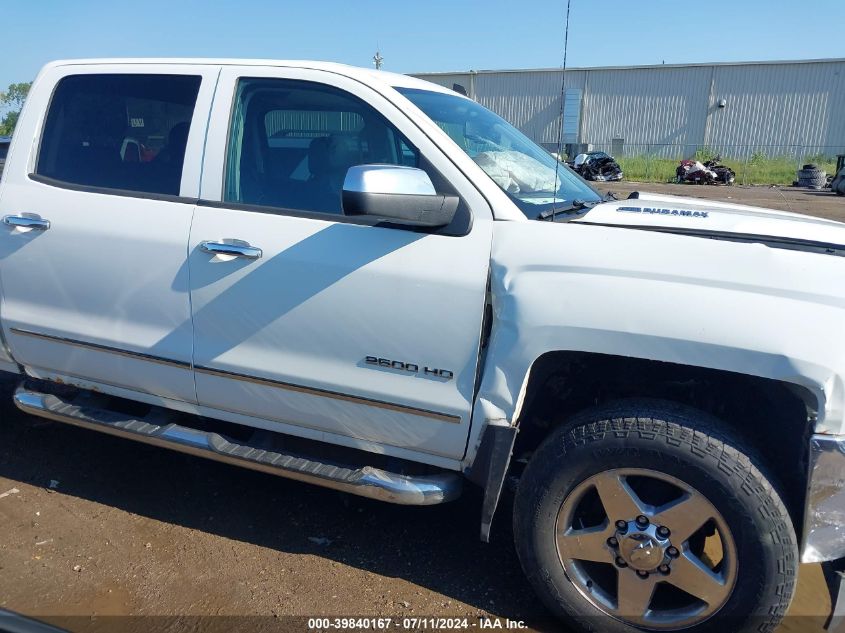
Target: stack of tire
<point>812,177</point>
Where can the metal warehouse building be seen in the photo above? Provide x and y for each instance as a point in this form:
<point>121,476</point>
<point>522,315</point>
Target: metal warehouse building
<point>788,108</point>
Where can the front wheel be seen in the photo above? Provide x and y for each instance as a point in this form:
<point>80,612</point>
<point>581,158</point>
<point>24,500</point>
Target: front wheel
<point>647,515</point>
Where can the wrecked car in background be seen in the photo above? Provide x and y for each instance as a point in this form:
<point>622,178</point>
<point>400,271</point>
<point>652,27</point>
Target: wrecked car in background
<point>597,166</point>
<point>709,172</point>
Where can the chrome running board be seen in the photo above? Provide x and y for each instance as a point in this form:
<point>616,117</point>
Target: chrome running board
<point>365,481</point>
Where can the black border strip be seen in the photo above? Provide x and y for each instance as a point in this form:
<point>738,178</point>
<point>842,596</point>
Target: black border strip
<point>362,220</point>
<point>126,193</point>
<point>788,243</point>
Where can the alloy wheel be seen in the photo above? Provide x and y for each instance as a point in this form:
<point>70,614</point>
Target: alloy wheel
<point>646,548</point>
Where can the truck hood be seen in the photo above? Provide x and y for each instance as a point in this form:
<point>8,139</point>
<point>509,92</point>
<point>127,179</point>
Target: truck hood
<point>718,220</point>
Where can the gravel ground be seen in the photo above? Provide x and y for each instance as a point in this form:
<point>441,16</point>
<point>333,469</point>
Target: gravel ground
<point>93,527</point>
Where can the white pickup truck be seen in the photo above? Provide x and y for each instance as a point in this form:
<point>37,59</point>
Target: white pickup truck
<point>365,281</point>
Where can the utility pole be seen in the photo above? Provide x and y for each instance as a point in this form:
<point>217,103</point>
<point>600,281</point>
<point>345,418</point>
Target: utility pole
<point>378,60</point>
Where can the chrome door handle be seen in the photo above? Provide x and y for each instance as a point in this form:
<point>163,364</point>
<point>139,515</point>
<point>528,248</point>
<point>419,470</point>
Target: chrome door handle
<point>237,248</point>
<point>26,222</point>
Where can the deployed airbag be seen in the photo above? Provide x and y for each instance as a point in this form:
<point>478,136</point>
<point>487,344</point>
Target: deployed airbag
<point>516,172</point>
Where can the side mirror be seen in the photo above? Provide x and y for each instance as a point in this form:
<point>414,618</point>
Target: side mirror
<point>403,195</point>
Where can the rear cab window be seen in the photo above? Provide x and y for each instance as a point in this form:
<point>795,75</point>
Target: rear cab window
<point>125,132</point>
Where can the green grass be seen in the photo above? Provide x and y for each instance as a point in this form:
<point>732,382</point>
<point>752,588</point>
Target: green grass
<point>757,170</point>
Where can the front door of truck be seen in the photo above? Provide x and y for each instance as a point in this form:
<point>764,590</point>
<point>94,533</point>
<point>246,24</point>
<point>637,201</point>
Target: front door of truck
<point>311,322</point>
<point>96,210</point>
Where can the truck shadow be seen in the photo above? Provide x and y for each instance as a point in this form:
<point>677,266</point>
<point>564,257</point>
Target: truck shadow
<point>436,547</point>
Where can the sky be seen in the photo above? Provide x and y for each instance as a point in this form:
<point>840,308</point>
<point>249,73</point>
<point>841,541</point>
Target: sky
<point>433,35</point>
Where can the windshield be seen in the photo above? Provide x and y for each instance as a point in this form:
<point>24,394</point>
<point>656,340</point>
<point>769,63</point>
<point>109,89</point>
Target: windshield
<point>523,169</point>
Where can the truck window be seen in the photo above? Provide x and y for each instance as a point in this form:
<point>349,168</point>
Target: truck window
<point>291,143</point>
<point>528,174</point>
<point>125,132</point>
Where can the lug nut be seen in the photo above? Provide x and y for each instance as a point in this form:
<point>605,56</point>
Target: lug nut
<point>642,573</point>
<point>642,521</point>
<point>673,552</point>
<point>620,562</point>
<point>663,532</point>
<point>622,526</point>
<point>664,569</point>
<point>613,542</point>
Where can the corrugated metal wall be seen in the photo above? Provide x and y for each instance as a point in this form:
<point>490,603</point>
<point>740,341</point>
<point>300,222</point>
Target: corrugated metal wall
<point>671,110</point>
<point>528,99</point>
<point>531,100</point>
<point>646,106</point>
<point>779,105</point>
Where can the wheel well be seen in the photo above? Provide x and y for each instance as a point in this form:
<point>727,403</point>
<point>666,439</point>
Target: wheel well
<point>776,418</point>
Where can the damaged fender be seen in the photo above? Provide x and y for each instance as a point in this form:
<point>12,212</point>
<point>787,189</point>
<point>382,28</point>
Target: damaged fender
<point>746,308</point>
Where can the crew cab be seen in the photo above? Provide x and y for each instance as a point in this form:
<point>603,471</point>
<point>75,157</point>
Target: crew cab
<point>364,281</point>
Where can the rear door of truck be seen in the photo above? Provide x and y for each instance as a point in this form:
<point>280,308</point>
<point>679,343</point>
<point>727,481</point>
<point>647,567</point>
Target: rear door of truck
<point>96,207</point>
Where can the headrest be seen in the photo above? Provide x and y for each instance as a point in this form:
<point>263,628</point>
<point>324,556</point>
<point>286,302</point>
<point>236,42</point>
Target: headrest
<point>318,156</point>
<point>333,155</point>
<point>178,136</point>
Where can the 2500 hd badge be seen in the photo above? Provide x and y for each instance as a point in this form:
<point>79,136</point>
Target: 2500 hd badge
<point>413,368</point>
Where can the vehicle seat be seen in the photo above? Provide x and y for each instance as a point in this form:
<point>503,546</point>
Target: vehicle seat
<point>177,141</point>
<point>166,169</point>
<point>329,158</point>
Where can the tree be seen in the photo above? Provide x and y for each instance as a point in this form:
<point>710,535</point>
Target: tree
<point>12,101</point>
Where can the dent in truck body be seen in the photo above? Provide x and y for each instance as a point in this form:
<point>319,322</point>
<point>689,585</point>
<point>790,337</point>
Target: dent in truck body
<point>742,308</point>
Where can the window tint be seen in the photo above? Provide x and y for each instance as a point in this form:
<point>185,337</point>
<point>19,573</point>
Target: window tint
<point>292,142</point>
<point>119,131</point>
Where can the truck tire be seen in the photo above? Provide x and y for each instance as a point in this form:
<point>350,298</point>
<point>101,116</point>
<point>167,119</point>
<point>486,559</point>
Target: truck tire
<point>657,504</point>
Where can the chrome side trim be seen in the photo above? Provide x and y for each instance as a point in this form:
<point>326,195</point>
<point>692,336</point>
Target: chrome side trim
<point>824,515</point>
<point>365,481</point>
<point>103,348</point>
<point>314,391</point>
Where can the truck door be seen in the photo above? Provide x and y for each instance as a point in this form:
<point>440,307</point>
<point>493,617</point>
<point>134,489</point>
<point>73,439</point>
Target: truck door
<point>315,323</point>
<point>96,207</point>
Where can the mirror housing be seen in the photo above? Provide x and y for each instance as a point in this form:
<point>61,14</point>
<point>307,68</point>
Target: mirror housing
<point>398,194</point>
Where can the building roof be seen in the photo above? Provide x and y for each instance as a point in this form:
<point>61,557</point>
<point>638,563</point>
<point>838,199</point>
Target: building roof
<point>642,66</point>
